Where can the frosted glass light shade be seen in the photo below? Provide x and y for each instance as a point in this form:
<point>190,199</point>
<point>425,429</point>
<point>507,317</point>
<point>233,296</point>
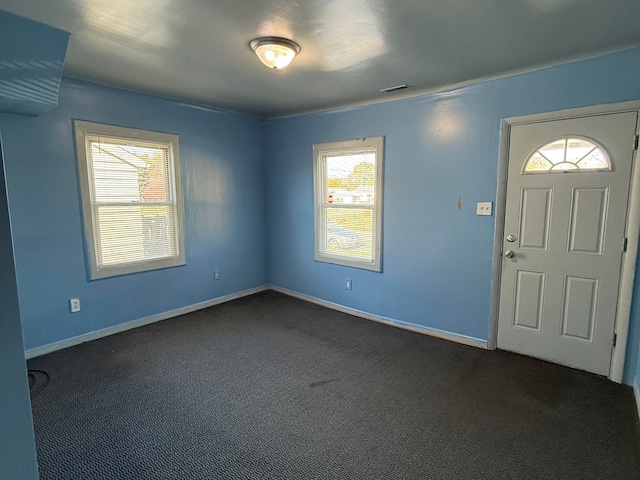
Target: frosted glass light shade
<point>275,52</point>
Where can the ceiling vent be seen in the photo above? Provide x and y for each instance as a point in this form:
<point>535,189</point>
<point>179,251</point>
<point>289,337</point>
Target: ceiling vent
<point>404,86</point>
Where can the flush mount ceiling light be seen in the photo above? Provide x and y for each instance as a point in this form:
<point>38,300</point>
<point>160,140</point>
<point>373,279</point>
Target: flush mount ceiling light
<point>275,52</point>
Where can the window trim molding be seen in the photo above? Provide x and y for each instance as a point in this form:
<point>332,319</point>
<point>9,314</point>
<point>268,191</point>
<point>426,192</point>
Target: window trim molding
<point>335,148</point>
<point>82,129</point>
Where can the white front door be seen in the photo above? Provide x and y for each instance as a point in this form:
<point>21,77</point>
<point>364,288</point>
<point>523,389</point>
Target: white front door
<point>567,192</point>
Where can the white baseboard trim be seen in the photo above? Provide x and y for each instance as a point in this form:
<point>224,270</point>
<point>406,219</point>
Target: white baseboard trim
<point>433,332</point>
<point>87,337</point>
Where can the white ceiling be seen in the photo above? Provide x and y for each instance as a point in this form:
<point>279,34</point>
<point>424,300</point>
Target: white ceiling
<point>198,50</point>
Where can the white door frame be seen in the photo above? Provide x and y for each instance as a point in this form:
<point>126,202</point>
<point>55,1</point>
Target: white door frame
<point>632,230</point>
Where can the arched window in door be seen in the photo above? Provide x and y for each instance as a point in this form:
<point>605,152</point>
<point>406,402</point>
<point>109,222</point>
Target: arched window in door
<point>568,154</point>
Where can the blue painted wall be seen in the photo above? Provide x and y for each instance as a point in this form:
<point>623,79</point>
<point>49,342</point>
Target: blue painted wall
<point>437,260</point>
<point>222,173</point>
<point>238,171</point>
<point>17,445</point>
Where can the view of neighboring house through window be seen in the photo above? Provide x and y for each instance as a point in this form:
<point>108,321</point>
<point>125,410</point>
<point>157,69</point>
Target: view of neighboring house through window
<point>348,210</point>
<point>131,199</point>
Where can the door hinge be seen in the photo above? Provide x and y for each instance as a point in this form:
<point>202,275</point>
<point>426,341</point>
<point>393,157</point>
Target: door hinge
<point>615,339</point>
<point>636,141</point>
<point>624,244</point>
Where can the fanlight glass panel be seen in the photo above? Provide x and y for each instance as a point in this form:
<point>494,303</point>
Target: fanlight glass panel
<point>567,155</point>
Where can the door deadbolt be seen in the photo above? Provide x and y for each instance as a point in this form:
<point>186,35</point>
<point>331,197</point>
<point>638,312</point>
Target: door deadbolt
<point>511,238</point>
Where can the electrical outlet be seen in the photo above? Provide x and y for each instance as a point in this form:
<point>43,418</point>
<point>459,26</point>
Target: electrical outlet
<point>74,305</point>
<point>484,208</point>
<point>216,274</point>
<point>348,284</point>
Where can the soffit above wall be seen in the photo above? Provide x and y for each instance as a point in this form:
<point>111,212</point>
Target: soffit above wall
<point>31,60</point>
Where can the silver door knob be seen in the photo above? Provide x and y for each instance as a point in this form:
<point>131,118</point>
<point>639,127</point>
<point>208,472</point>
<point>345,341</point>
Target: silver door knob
<point>509,254</point>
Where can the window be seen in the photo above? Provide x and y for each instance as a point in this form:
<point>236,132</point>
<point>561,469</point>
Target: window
<point>567,154</point>
<point>131,199</point>
<point>348,202</point>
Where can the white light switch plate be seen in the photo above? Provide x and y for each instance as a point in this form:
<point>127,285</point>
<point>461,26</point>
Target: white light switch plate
<point>484,208</point>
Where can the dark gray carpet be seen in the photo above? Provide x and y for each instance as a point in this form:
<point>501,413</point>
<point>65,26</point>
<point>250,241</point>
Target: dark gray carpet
<point>270,387</point>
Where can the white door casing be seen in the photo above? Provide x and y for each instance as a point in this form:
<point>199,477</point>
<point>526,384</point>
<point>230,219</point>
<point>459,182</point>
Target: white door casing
<point>559,292</point>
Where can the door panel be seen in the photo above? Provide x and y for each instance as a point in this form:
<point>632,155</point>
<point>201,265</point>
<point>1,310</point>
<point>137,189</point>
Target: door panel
<point>534,218</point>
<point>529,295</point>
<point>588,218</point>
<point>579,307</point>
<point>559,291</point>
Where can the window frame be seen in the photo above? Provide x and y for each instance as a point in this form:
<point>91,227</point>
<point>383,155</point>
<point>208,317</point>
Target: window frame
<point>566,138</point>
<point>84,130</point>
<point>351,147</point>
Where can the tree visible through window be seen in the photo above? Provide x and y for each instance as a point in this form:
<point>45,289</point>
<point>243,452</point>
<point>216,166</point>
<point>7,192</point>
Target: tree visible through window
<point>348,199</point>
<point>131,199</point>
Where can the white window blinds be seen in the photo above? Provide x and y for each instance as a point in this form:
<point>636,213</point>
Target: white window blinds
<point>348,202</point>
<point>131,202</point>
